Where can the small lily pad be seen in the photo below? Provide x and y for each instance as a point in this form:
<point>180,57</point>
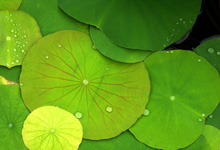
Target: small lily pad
<point>125,141</point>
<point>63,69</point>
<point>179,103</point>
<point>50,17</point>
<point>19,31</point>
<point>12,74</point>
<point>210,49</point>
<point>10,4</point>
<point>110,50</point>
<point>214,118</point>
<point>52,128</point>
<point>137,24</point>
<point>13,113</point>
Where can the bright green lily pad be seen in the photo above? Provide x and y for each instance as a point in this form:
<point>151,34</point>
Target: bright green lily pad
<point>19,31</point>
<point>137,24</point>
<point>185,89</point>
<point>214,118</point>
<point>50,17</point>
<point>10,4</point>
<point>63,70</point>
<point>110,50</point>
<point>212,135</point>
<point>52,128</point>
<point>210,50</point>
<point>125,141</point>
<point>12,74</point>
<point>13,113</point>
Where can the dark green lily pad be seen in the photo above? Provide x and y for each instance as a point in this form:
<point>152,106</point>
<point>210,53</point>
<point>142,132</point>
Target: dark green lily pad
<point>13,113</point>
<point>110,50</point>
<point>52,128</point>
<point>210,50</point>
<point>63,70</point>
<point>125,141</point>
<point>12,74</point>
<point>49,16</point>
<point>137,24</point>
<point>179,102</point>
<point>19,31</point>
<point>10,4</point>
<point>214,118</point>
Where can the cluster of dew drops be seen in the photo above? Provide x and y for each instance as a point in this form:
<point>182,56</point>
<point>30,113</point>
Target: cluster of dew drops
<point>19,45</point>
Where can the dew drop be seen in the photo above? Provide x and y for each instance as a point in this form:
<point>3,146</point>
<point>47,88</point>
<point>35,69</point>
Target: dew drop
<point>12,31</point>
<point>172,98</point>
<point>181,19</point>
<point>203,115</point>
<point>172,52</point>
<point>12,63</point>
<point>78,115</point>
<point>200,119</point>
<point>8,38</point>
<point>211,51</point>
<point>107,69</point>
<point>15,50</point>
<point>22,51</point>
<point>211,116</point>
<point>15,35</point>
<point>46,57</point>
<point>17,61</point>
<point>109,109</point>
<point>146,112</point>
<point>218,53</point>
<point>85,82</point>
<point>93,46</point>
<point>25,36</point>
<point>199,60</point>
<point>10,125</point>
<point>21,84</point>
<point>7,50</point>
<point>59,45</point>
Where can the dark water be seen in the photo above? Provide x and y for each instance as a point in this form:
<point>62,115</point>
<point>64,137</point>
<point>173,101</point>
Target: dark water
<point>206,27</point>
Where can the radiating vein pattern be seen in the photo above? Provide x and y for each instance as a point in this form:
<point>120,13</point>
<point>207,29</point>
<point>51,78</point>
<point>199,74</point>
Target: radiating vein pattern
<point>63,70</point>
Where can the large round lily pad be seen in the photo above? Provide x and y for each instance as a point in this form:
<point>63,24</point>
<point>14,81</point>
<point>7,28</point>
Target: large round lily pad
<point>210,49</point>
<point>50,17</point>
<point>137,24</point>
<point>12,74</point>
<point>18,33</point>
<point>13,113</point>
<point>109,49</point>
<point>63,70</point>
<point>52,128</point>
<point>125,141</point>
<point>10,4</point>
<point>185,89</point>
<point>214,118</point>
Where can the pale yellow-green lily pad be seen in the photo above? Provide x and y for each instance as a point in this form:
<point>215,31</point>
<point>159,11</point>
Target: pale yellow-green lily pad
<point>52,128</point>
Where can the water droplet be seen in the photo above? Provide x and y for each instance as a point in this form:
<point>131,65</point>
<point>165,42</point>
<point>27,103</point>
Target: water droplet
<point>177,23</point>
<point>15,35</point>
<point>8,38</point>
<point>211,51</point>
<point>184,22</point>
<point>172,98</point>
<point>78,115</point>
<point>12,142</point>
<point>7,50</point>
<point>11,20</point>
<point>25,36</point>
<point>203,115</point>
<point>199,60</point>
<point>181,19</point>
<point>218,53</point>
<point>172,52</point>
<point>12,31</point>
<point>10,15</point>
<point>12,63</point>
<point>46,57</point>
<point>7,64</point>
<point>200,119</point>
<point>22,51</point>
<point>107,69</point>
<point>21,84</point>
<point>52,131</point>
<point>17,61</point>
<point>146,112</point>
<point>15,50</point>
<point>109,109</point>
<point>93,46</point>
<point>85,82</point>
<point>10,125</point>
<point>168,52</point>
<point>211,116</point>
<point>59,45</point>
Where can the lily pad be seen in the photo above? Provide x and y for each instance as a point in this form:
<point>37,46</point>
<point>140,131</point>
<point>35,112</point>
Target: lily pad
<point>50,17</point>
<point>212,136</point>
<point>13,113</point>
<point>19,31</point>
<point>52,128</point>
<point>125,141</point>
<point>63,70</point>
<point>10,4</point>
<point>214,118</point>
<point>12,74</point>
<point>179,102</point>
<point>210,49</point>
<point>110,50</point>
<point>137,24</point>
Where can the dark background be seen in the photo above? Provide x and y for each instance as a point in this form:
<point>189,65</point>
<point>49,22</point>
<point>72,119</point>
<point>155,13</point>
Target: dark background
<point>206,27</point>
